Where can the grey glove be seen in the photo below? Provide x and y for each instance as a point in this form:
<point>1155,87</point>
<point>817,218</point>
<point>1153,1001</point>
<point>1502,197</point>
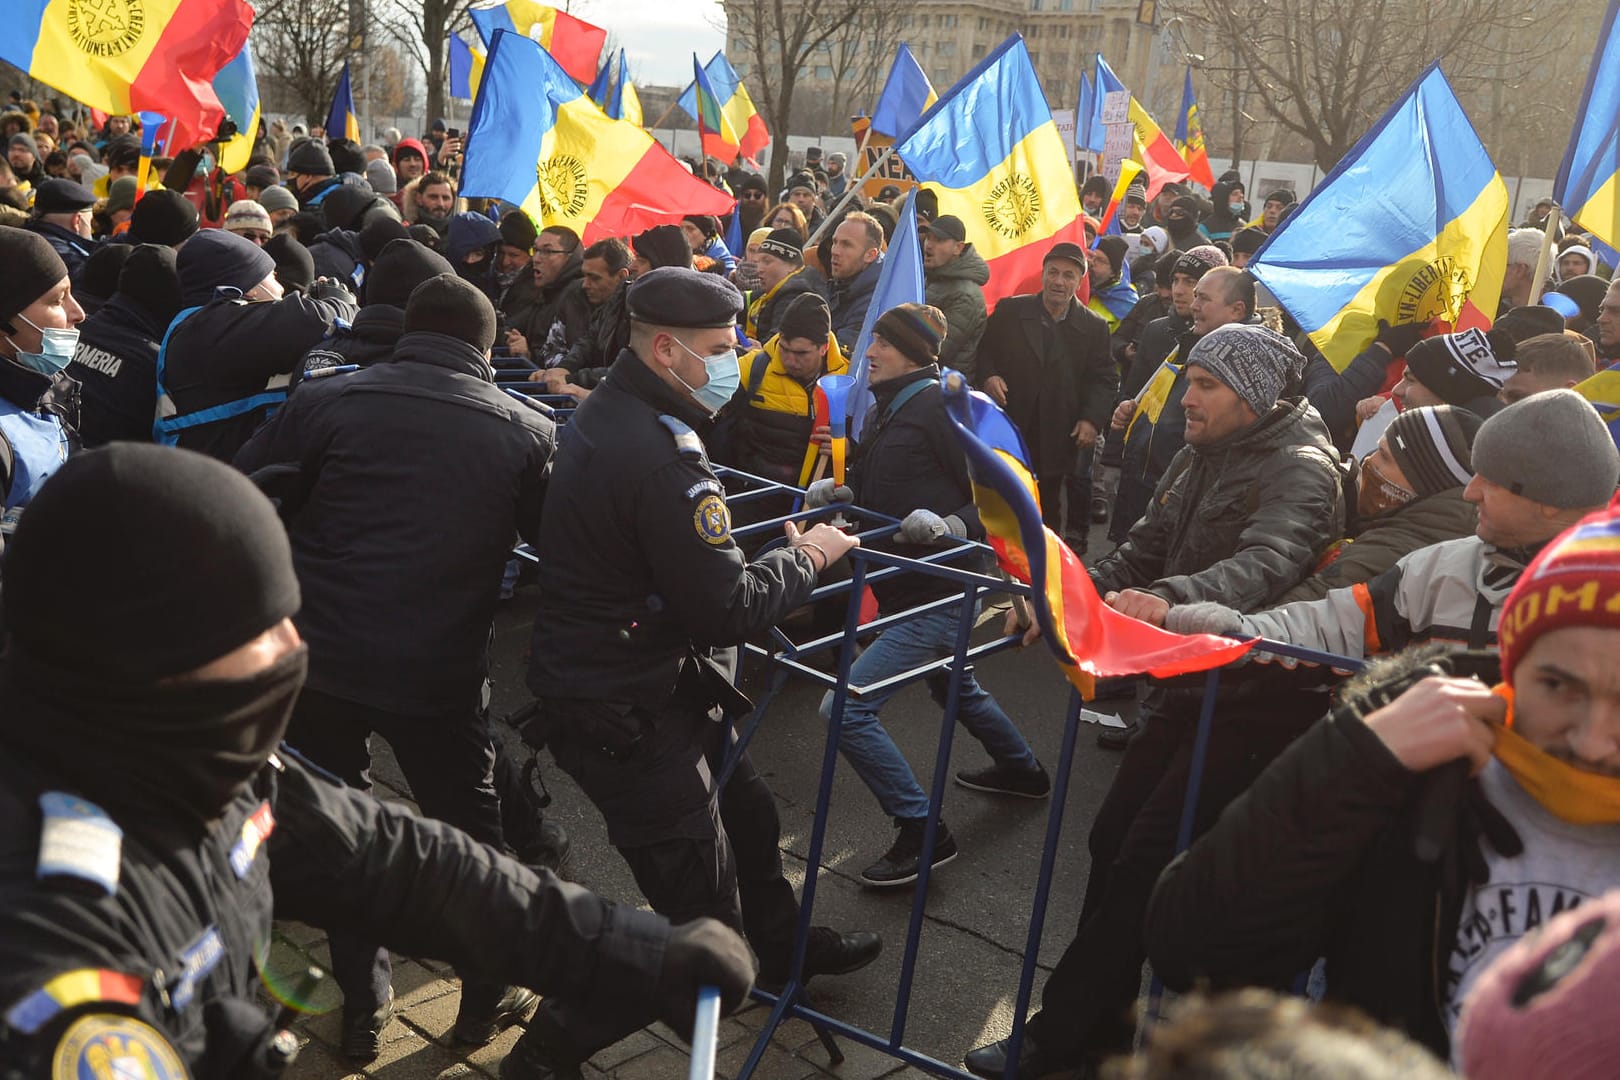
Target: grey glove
<point>703,952</point>
<point>926,527</point>
<point>1205,617</point>
<point>823,492</point>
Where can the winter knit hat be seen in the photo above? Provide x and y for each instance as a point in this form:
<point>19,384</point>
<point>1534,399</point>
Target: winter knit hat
<point>121,194</point>
<point>246,214</point>
<point>1198,261</point>
<point>380,175</point>
<point>150,279</point>
<point>808,317</point>
<point>1156,238</point>
<point>295,266</point>
<point>1586,290</point>
<point>915,329</point>
<point>448,305</point>
<point>1552,448</point>
<point>378,233</point>
<point>215,258</point>
<point>310,158</point>
<point>23,139</point>
<point>663,245</point>
<point>517,230</point>
<point>344,205</point>
<point>1254,361</point>
<point>1247,241</point>
<point>1541,1010</point>
<point>1434,447</point>
<point>1531,320</point>
<point>399,269</point>
<point>1574,581</point>
<point>278,198</point>
<point>98,277</point>
<point>1116,249</point>
<point>1462,367</point>
<point>162,217</point>
<point>785,244</point>
<point>29,268</point>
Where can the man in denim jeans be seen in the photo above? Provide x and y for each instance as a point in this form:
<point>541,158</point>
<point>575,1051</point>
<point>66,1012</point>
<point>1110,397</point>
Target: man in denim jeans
<point>909,465</point>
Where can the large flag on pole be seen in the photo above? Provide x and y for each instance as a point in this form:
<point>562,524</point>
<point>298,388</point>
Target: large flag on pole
<point>1088,638</point>
<point>342,122</point>
<point>614,91</point>
<point>1588,183</point>
<point>735,102</point>
<point>1190,137</point>
<point>1151,147</point>
<point>537,141</point>
<point>1410,226</point>
<point>571,41</point>
<point>719,138</point>
<point>129,56</point>
<point>1088,125</point>
<point>900,281</point>
<point>238,91</point>
<point>993,155</point>
<point>906,95</point>
<point>466,68</point>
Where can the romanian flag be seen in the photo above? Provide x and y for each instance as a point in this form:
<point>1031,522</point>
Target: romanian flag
<point>1151,147</point>
<point>238,91</point>
<point>906,95</point>
<point>537,141</point>
<point>342,122</point>
<point>995,158</point>
<point>129,56</point>
<point>466,68</point>
<point>617,95</point>
<point>719,138</point>
<point>735,103</point>
<point>1128,172</point>
<point>1603,391</point>
<point>573,43</point>
<point>1410,226</point>
<point>1588,184</point>
<point>1088,638</point>
<point>70,990</point>
<point>1190,137</point>
<point>1088,125</point>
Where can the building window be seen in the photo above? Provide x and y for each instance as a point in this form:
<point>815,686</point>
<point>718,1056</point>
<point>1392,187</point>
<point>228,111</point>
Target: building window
<point>946,48</point>
<point>823,71</point>
<point>978,52</point>
<point>924,20</point>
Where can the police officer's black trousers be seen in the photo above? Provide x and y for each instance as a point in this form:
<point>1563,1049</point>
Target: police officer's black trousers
<point>449,762</point>
<point>722,861</point>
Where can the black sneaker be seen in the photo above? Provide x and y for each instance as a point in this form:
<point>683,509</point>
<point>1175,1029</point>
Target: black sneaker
<point>828,952</point>
<point>1004,780</point>
<point>479,1020</point>
<point>900,865</point>
<point>361,1037</point>
<point>1117,738</point>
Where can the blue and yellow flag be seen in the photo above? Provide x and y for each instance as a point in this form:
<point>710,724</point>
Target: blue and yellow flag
<point>466,68</point>
<point>238,90</point>
<point>990,151</point>
<point>613,90</point>
<point>1088,638</point>
<point>1410,226</point>
<point>906,95</point>
<point>1603,391</point>
<point>538,142</point>
<point>342,122</point>
<point>1588,183</point>
<point>900,281</point>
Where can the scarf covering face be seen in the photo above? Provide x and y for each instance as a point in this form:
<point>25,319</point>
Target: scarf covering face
<point>1570,794</point>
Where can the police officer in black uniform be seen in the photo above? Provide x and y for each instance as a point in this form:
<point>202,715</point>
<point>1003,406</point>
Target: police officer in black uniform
<point>147,818</point>
<point>643,592</point>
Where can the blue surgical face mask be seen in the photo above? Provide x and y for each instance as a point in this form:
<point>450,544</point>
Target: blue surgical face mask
<point>56,349</point>
<point>725,376</point>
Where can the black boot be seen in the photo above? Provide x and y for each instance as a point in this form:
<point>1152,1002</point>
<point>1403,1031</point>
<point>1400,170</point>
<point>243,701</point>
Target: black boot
<point>900,865</point>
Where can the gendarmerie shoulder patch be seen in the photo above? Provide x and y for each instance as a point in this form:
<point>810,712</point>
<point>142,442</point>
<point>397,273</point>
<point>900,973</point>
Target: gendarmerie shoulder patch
<point>712,520</point>
<point>99,1046</point>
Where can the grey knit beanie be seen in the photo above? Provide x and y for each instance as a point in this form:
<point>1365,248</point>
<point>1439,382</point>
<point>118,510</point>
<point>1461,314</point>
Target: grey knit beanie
<point>1552,448</point>
<point>1254,361</point>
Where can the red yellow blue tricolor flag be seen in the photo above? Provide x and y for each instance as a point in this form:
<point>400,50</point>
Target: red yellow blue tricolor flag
<point>719,138</point>
<point>238,91</point>
<point>1151,147</point>
<point>1410,226</point>
<point>1603,391</point>
<point>735,102</point>
<point>613,90</point>
<point>537,141</point>
<point>571,41</point>
<point>906,95</point>
<point>129,56</point>
<point>1088,638</point>
<point>1588,183</point>
<point>342,122</point>
<point>992,154</point>
<point>1190,137</point>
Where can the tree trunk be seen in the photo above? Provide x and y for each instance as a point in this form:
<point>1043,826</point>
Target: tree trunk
<point>779,143</point>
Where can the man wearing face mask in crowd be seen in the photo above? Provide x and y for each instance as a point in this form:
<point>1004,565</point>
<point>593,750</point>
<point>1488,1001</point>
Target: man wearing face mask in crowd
<point>39,405</point>
<point>151,822</point>
<point>632,659</point>
<point>225,365</point>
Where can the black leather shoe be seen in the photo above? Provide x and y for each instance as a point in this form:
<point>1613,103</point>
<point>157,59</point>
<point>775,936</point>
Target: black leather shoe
<point>1117,738</point>
<point>991,1061</point>
<point>902,862</point>
<point>480,1020</point>
<point>828,952</point>
<point>534,1058</point>
<point>1099,510</point>
<point>361,1038</point>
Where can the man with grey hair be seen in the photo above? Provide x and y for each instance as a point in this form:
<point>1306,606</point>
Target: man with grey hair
<point>1524,250</point>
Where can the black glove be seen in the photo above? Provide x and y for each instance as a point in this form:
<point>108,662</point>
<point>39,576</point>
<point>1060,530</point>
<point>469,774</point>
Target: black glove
<point>327,289</point>
<point>1398,339</point>
<point>702,953</point>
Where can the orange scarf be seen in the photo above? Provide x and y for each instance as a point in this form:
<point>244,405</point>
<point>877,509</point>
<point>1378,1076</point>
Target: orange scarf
<point>1570,794</point>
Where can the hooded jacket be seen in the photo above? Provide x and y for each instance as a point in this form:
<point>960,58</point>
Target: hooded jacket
<point>338,255</point>
<point>1239,521</point>
<point>957,289</point>
<point>1222,223</point>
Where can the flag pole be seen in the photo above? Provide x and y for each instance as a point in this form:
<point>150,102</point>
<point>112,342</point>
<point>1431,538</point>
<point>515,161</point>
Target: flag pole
<point>1544,257</point>
<point>849,194</point>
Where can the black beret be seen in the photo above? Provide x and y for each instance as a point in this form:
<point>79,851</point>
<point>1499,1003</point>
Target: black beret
<point>62,197</point>
<point>677,296</point>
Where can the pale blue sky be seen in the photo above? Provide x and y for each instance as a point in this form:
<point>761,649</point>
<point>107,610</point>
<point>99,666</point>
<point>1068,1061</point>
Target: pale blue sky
<point>659,36</point>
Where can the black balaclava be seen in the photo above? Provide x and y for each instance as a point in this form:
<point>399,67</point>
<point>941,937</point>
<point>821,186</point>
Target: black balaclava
<point>97,634</point>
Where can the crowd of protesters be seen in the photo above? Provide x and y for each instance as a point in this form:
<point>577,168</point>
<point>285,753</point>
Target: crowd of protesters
<point>1435,837</point>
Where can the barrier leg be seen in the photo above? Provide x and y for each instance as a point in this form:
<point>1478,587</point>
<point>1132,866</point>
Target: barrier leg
<point>936,798</point>
<point>818,830</point>
<point>1043,884</point>
<point>739,744</point>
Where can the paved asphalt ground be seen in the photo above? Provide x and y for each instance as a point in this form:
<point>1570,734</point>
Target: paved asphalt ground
<point>978,908</point>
